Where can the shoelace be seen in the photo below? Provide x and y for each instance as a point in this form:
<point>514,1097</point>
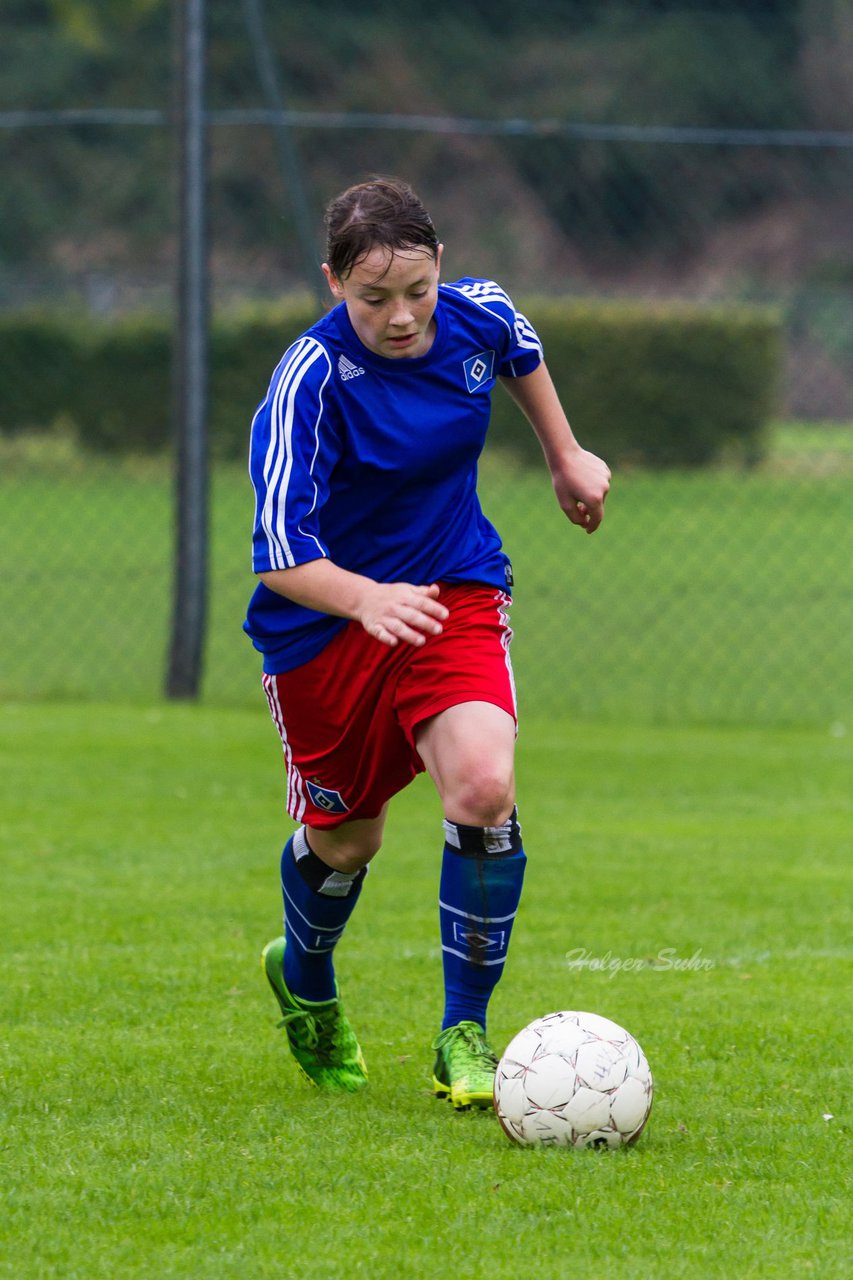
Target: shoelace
<point>317,1033</point>
<point>468,1040</point>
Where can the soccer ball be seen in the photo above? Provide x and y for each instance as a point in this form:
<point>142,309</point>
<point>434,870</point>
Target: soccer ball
<point>573,1079</point>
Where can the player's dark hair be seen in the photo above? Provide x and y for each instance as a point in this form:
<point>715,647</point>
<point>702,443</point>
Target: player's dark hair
<point>379,213</point>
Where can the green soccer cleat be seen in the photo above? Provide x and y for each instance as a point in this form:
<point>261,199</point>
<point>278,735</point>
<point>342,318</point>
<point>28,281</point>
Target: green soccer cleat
<point>319,1034</point>
<point>465,1066</point>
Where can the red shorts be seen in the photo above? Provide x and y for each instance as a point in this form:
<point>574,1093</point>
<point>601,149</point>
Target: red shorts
<point>347,718</point>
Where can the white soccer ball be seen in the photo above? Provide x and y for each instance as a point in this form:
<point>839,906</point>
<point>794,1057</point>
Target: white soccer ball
<point>573,1079</point>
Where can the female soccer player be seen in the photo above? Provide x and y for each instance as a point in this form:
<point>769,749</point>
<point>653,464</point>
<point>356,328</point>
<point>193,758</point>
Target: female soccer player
<point>381,612</point>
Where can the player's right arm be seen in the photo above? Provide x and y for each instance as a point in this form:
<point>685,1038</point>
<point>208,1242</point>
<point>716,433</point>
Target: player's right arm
<point>388,611</point>
<point>295,447</point>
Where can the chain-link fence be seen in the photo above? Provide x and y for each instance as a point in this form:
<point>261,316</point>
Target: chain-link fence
<point>647,152</point>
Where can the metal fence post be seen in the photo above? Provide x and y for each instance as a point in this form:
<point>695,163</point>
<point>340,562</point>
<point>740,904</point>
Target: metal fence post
<point>189,609</point>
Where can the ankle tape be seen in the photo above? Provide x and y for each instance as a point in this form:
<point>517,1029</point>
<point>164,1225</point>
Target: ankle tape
<point>485,842</point>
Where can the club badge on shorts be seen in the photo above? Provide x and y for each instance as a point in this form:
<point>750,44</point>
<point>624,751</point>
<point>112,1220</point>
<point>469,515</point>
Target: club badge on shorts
<point>326,799</point>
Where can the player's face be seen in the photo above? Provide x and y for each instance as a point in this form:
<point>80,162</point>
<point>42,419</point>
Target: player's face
<point>391,300</point>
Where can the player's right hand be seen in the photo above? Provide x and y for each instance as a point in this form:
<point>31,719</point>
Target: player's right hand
<point>397,611</point>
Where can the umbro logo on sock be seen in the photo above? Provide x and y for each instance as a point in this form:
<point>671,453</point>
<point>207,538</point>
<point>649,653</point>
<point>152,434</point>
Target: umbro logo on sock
<point>479,939</point>
<point>347,369</point>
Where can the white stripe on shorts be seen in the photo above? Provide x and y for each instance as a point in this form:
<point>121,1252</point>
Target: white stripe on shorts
<point>295,783</point>
<point>504,602</point>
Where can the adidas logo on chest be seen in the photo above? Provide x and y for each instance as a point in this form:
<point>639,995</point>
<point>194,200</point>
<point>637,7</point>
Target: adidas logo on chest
<point>347,369</point>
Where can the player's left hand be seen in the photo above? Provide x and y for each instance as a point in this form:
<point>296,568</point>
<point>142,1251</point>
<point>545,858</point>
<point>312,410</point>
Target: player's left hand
<point>581,485</point>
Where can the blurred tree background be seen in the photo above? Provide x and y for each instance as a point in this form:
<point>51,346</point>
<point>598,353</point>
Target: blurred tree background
<point>89,208</point>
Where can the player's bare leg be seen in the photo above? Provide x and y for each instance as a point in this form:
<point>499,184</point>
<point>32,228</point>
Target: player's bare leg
<point>350,846</point>
<point>469,752</point>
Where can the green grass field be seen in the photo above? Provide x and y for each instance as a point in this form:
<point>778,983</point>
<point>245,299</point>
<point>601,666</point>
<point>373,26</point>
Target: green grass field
<point>153,1125</point>
<point>713,596</point>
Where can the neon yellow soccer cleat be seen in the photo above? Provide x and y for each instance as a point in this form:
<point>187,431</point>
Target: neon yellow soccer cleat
<point>465,1066</point>
<point>319,1034</point>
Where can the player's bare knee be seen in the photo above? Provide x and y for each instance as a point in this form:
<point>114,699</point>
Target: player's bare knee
<point>344,851</point>
<point>484,798</point>
<point>354,860</point>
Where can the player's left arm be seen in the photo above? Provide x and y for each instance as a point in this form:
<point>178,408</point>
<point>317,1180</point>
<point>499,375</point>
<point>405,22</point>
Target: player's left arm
<point>581,480</point>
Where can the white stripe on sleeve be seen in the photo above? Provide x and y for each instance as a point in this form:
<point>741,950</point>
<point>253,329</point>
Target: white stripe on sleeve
<point>278,464</point>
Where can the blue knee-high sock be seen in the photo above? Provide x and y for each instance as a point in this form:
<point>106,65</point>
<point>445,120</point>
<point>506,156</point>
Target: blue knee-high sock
<point>318,902</point>
<point>481,876</point>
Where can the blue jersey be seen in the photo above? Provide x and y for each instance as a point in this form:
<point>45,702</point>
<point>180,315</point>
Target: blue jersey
<point>372,461</point>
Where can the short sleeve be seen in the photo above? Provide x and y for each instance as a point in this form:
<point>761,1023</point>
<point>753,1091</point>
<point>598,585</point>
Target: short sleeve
<point>526,349</point>
<point>293,450</point>
<point>521,351</point>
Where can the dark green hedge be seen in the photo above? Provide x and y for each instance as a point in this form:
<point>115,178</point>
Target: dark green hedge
<point>664,385</point>
<point>246,346</point>
<point>41,358</point>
